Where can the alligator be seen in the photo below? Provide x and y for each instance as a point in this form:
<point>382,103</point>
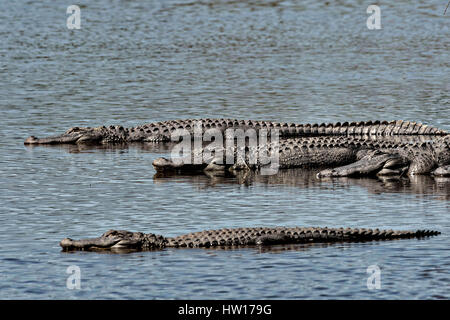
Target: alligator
<point>340,155</point>
<point>163,131</point>
<point>345,149</point>
<point>237,237</point>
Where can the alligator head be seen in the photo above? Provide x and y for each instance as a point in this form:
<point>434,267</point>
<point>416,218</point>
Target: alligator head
<point>85,135</point>
<point>73,135</point>
<point>116,239</point>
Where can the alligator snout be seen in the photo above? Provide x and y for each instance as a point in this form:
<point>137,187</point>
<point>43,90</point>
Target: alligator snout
<point>163,163</point>
<point>178,165</point>
<point>66,243</point>
<point>31,140</point>
<point>65,138</point>
<point>69,137</point>
<point>327,173</point>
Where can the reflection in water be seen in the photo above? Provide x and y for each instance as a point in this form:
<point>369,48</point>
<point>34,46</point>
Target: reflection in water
<point>306,178</point>
<point>87,148</point>
<point>260,249</point>
<point>298,177</point>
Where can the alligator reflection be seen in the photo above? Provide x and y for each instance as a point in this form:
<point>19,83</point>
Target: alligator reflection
<point>87,148</point>
<point>438,187</point>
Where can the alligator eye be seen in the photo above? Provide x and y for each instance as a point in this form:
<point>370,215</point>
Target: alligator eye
<point>74,129</point>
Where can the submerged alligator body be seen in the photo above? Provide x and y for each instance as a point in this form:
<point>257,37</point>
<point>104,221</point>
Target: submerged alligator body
<point>121,239</point>
<point>355,148</point>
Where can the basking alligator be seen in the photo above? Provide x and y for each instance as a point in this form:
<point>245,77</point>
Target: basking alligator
<point>345,155</point>
<point>162,131</point>
<point>356,148</point>
<point>121,239</point>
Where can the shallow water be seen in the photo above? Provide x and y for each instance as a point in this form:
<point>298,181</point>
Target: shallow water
<point>134,62</point>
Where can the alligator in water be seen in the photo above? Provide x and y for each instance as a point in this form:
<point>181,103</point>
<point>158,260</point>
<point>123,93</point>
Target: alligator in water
<point>162,131</point>
<point>356,148</point>
<point>121,239</point>
<point>341,155</point>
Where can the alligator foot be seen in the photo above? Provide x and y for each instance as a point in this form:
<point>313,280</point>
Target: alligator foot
<point>375,162</point>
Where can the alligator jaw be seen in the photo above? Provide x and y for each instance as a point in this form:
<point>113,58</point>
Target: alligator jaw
<point>61,139</point>
<point>75,135</point>
<point>88,244</point>
<point>373,162</point>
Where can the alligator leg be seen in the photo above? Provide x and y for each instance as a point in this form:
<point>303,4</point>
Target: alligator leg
<point>373,162</point>
<point>421,164</point>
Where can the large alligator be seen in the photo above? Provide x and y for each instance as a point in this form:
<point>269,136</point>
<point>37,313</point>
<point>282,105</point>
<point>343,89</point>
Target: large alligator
<point>121,239</point>
<point>341,155</point>
<point>162,131</point>
<point>356,148</point>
